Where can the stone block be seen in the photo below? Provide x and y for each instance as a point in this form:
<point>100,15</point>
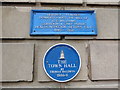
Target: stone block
<point>107,23</point>
<point>16,23</point>
<point>106,28</point>
<point>60,1</point>
<point>104,2</point>
<point>17,0</point>
<point>43,46</point>
<point>104,60</point>
<point>0,21</point>
<point>0,61</point>
<point>92,85</point>
<point>17,62</point>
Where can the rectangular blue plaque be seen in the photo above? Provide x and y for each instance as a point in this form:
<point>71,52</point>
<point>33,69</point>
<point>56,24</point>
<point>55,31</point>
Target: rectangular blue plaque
<point>63,22</point>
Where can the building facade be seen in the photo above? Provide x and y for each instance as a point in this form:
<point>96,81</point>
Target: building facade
<point>22,55</point>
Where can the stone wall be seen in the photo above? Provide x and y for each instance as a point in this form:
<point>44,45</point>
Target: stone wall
<point>22,55</point>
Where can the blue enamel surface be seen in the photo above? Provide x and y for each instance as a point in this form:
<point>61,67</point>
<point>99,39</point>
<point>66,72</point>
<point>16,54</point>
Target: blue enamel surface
<point>67,68</point>
<point>63,22</point>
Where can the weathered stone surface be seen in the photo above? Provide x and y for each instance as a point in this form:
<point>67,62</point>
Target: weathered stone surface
<point>17,0</point>
<point>104,2</point>
<point>60,1</point>
<point>106,28</point>
<point>105,17</point>
<point>104,60</point>
<point>0,21</point>
<point>16,23</point>
<point>0,61</point>
<point>43,46</point>
<point>32,85</point>
<point>89,84</point>
<point>17,62</point>
<point>108,2</point>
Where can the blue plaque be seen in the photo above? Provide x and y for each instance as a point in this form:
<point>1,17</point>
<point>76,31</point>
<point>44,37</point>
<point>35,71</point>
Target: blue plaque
<point>62,62</point>
<point>63,22</point>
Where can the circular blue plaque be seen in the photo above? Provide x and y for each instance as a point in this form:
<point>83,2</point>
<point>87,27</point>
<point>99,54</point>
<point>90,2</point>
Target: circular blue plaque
<point>62,62</point>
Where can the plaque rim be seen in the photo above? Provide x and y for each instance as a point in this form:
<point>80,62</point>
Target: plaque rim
<point>32,33</point>
<point>53,47</point>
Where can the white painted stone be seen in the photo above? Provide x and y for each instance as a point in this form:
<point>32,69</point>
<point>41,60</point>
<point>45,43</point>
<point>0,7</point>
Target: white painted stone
<point>104,60</point>
<point>107,23</point>
<point>16,23</point>
<point>108,2</point>
<point>43,46</point>
<point>17,62</point>
<point>60,1</point>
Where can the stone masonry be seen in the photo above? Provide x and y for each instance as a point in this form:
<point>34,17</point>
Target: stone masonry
<point>21,55</point>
